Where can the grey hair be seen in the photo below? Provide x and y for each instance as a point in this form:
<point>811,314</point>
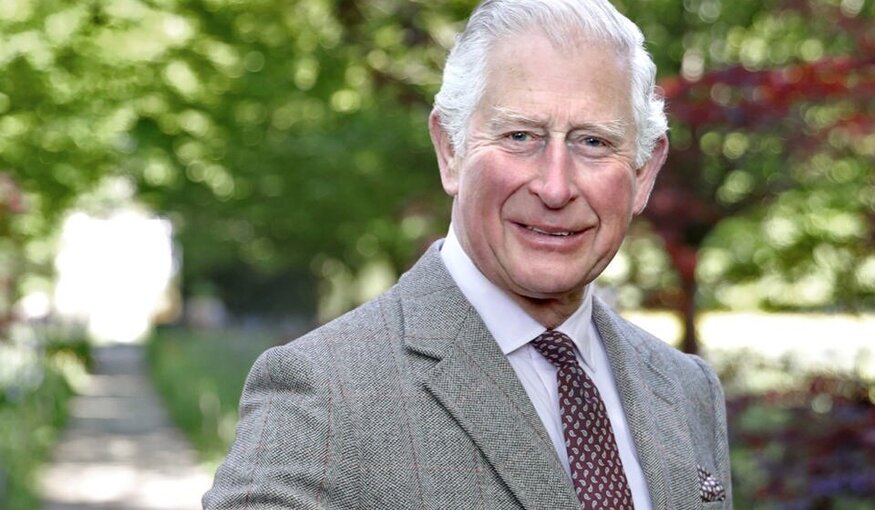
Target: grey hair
<point>563,21</point>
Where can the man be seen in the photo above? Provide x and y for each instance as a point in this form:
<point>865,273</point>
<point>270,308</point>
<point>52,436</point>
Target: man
<point>489,376</point>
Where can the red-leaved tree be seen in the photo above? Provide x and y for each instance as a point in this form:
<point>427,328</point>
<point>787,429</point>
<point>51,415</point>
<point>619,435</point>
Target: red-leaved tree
<point>761,125</point>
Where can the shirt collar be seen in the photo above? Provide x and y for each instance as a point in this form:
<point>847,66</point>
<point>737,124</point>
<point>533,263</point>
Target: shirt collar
<point>509,324</point>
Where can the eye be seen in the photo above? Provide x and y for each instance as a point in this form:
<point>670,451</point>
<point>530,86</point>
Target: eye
<point>592,146</point>
<point>520,136</point>
<point>521,141</point>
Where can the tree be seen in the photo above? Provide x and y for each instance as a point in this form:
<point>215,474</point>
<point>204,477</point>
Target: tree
<point>287,140</point>
<point>751,138</point>
<point>275,134</point>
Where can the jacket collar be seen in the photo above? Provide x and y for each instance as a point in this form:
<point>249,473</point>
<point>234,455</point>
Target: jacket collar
<point>473,381</point>
<point>651,401</point>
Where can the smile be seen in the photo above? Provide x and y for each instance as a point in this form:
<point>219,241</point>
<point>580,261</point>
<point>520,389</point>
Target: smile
<point>564,233</point>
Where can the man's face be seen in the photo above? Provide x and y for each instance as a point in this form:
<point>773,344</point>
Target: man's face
<point>547,185</point>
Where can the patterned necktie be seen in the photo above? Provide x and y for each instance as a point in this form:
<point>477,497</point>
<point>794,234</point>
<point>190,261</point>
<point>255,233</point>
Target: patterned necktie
<point>596,468</point>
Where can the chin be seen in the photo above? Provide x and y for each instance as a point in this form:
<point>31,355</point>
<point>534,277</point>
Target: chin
<point>545,289</point>
<point>553,278</point>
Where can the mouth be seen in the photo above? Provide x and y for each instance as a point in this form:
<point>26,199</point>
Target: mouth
<point>550,231</point>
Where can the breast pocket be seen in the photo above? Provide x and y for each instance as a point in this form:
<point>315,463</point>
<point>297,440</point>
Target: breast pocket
<point>716,505</point>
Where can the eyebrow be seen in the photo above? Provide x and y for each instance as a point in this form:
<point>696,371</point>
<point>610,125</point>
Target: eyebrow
<point>503,117</point>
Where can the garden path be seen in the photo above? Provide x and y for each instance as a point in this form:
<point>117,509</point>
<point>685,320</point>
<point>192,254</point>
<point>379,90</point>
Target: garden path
<point>119,450</point>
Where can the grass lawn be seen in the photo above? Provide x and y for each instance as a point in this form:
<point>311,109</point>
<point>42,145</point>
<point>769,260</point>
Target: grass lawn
<point>200,374</point>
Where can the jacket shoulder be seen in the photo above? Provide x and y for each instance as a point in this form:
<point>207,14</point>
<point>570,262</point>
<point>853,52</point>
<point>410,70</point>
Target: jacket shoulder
<point>654,349</point>
<point>367,326</point>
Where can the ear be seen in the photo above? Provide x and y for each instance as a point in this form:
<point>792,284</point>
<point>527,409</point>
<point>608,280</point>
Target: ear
<point>446,154</point>
<point>645,177</point>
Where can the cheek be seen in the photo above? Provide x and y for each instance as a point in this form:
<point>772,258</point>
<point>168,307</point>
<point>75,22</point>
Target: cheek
<point>485,184</point>
<point>611,194</point>
<point>470,190</point>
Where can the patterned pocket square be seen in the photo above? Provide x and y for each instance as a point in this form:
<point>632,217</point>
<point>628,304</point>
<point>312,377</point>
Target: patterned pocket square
<point>710,489</point>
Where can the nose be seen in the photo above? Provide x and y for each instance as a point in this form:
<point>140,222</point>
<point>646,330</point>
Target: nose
<point>554,184</point>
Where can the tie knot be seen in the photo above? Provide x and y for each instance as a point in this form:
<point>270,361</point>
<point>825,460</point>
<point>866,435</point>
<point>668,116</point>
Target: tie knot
<point>556,347</point>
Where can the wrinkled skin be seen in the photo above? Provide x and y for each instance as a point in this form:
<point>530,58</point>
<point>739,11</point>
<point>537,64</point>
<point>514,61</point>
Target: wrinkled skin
<point>547,184</point>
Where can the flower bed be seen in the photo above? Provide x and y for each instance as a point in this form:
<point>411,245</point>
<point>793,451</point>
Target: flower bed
<point>807,448</point>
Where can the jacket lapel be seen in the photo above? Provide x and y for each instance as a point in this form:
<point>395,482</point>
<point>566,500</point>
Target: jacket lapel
<point>475,383</point>
<point>657,420</point>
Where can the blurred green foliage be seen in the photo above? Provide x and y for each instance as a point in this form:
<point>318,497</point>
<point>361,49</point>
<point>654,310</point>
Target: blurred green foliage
<point>271,132</point>
<point>287,140</point>
<point>36,382</point>
<point>200,375</point>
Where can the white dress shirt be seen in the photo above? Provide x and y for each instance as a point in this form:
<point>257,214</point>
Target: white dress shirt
<point>514,329</point>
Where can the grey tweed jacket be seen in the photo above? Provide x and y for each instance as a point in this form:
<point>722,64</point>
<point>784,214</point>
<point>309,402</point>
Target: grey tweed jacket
<point>407,403</point>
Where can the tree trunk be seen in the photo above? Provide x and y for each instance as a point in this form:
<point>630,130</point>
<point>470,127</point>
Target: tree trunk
<point>685,259</point>
<point>690,339</point>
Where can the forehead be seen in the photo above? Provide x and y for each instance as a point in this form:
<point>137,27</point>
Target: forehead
<point>534,75</point>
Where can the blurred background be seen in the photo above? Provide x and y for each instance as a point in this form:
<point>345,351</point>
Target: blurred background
<point>184,183</point>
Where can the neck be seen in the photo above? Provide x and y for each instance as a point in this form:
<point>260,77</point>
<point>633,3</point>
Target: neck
<point>550,313</point>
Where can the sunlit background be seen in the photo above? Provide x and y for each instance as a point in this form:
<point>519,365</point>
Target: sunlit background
<point>184,183</point>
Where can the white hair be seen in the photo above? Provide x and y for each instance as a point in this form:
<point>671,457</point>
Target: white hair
<point>564,22</point>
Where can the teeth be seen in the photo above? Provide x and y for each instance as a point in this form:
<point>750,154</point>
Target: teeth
<point>556,234</point>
